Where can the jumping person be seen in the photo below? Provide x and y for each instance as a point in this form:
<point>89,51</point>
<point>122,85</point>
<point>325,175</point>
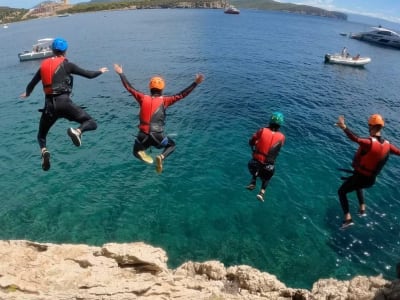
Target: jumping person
<point>152,117</point>
<point>55,74</point>
<point>368,161</point>
<point>266,144</point>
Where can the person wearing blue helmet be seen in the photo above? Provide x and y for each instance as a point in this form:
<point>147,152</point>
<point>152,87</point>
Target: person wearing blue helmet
<point>265,144</point>
<point>56,76</point>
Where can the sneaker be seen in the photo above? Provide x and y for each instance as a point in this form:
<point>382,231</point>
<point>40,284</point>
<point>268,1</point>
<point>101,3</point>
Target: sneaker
<point>362,213</point>
<point>260,196</point>
<point>75,136</point>
<point>45,160</point>
<point>159,166</point>
<point>347,223</point>
<point>251,186</point>
<point>145,157</point>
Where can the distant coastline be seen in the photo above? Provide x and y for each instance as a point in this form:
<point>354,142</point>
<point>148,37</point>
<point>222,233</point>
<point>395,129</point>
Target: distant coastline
<point>46,9</point>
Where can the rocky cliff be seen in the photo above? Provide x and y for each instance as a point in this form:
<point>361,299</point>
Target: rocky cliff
<point>34,271</point>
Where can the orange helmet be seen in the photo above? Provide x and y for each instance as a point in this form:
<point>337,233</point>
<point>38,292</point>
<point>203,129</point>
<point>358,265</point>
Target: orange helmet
<point>156,83</point>
<point>376,119</point>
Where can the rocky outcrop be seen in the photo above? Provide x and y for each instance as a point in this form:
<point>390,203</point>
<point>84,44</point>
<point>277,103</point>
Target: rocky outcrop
<point>44,271</point>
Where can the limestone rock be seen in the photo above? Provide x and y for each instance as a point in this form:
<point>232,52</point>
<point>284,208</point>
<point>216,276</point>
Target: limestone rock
<point>44,271</point>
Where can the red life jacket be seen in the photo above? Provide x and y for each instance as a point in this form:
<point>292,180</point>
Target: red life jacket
<point>152,114</point>
<point>371,163</point>
<point>268,145</point>
<point>48,69</point>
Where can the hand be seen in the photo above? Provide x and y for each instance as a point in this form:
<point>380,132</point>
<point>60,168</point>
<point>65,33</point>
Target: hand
<point>103,70</point>
<point>199,78</point>
<point>23,95</point>
<point>340,122</point>
<point>118,69</point>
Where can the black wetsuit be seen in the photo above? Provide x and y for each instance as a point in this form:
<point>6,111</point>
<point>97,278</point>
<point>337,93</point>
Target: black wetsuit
<point>59,104</point>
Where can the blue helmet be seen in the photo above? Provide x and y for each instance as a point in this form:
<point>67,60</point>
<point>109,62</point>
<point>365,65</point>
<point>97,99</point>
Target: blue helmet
<point>276,118</point>
<point>59,44</point>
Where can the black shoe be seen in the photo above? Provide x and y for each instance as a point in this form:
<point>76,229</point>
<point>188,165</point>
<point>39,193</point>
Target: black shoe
<point>45,160</point>
<point>251,186</point>
<point>347,223</point>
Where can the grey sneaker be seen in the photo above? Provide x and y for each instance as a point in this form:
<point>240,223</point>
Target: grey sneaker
<point>75,136</point>
<point>347,223</point>
<point>260,196</point>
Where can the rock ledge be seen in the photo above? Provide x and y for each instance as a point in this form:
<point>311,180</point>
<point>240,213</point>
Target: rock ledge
<point>44,271</point>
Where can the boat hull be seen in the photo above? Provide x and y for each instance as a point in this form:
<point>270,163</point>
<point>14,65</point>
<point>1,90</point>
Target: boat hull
<point>347,61</point>
<point>34,55</point>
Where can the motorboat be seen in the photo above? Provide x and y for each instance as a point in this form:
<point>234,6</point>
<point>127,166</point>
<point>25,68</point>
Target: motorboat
<point>355,61</point>
<point>379,35</point>
<point>232,10</point>
<point>40,50</point>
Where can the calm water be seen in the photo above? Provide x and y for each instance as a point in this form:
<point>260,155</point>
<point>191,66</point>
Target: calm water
<point>198,209</point>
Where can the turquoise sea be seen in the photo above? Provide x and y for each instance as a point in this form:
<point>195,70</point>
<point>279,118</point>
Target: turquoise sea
<point>198,208</point>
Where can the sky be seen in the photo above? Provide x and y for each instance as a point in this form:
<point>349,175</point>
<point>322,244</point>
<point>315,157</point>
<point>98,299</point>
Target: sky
<point>383,9</point>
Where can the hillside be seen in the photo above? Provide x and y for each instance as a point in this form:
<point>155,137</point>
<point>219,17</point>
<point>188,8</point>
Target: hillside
<point>288,7</point>
<point>8,15</point>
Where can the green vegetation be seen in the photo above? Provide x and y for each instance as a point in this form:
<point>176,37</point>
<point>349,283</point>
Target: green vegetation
<point>141,4</point>
<point>8,15</point>
<point>288,7</point>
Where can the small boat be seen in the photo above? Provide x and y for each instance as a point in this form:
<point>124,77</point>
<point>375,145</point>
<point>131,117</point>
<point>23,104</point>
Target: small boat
<point>63,15</point>
<point>40,50</point>
<point>379,35</point>
<point>5,26</point>
<point>232,10</point>
<point>356,61</point>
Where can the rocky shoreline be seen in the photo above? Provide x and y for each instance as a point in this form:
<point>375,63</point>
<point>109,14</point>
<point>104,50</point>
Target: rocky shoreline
<point>33,271</point>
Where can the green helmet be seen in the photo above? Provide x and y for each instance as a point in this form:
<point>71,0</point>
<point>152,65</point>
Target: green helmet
<point>276,118</point>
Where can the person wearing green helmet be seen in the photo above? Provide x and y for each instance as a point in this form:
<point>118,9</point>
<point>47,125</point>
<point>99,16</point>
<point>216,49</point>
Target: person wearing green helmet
<point>265,144</point>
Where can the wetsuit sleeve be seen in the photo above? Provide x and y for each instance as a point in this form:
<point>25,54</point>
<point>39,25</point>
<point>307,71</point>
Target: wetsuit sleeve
<point>394,150</point>
<point>255,137</point>
<point>169,100</point>
<point>71,68</point>
<point>31,85</point>
<point>363,142</point>
<point>135,93</point>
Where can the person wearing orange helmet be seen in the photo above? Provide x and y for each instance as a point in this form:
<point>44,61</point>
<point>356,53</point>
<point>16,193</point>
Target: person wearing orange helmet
<point>152,117</point>
<point>368,161</point>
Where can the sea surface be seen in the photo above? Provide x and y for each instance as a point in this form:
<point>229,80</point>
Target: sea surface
<point>198,208</point>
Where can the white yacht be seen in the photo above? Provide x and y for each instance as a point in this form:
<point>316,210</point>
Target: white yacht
<point>379,35</point>
<point>40,50</point>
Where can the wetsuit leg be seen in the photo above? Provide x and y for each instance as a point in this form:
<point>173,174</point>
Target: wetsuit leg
<point>69,110</point>
<point>253,166</point>
<point>360,196</point>
<point>142,142</point>
<point>355,182</point>
<point>47,120</point>
<point>159,140</point>
<point>169,147</point>
<point>266,173</point>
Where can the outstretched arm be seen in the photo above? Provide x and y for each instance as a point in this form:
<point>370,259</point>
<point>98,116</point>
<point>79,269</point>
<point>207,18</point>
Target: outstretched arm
<point>31,85</point>
<point>169,100</point>
<point>74,69</point>
<point>135,93</point>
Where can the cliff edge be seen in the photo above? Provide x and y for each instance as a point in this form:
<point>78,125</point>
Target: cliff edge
<point>33,271</point>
